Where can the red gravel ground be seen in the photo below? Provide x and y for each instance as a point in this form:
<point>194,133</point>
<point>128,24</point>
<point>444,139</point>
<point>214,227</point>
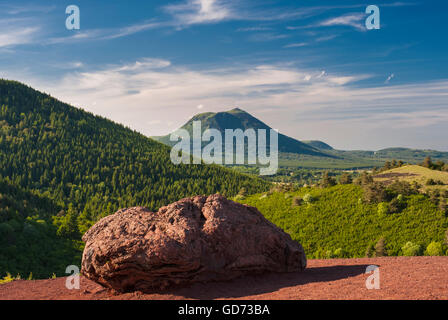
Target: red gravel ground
<point>400,278</point>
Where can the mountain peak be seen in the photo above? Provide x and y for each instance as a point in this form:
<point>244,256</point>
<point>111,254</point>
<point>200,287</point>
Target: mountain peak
<point>236,110</point>
<point>237,118</point>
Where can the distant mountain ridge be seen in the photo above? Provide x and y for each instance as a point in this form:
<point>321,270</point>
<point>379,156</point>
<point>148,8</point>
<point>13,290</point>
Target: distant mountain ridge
<point>318,144</point>
<point>306,153</point>
<point>240,119</point>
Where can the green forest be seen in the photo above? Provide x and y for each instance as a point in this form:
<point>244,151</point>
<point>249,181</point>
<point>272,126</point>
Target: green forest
<point>62,169</point>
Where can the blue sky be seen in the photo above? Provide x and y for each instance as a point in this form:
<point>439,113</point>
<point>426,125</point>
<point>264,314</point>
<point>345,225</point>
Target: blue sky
<point>308,68</point>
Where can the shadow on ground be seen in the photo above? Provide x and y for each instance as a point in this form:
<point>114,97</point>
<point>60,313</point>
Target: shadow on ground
<point>266,283</point>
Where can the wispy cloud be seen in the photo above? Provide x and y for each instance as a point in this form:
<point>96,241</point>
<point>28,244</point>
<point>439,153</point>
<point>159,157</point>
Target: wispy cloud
<point>106,33</point>
<point>354,20</point>
<point>200,11</point>
<point>326,38</point>
<point>296,45</point>
<point>129,30</point>
<point>17,32</point>
<point>313,40</point>
<point>13,9</point>
<point>252,29</point>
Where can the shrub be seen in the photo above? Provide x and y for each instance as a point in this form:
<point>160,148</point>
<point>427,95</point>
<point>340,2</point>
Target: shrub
<point>396,206</point>
<point>427,163</point>
<point>297,201</point>
<point>239,197</point>
<point>411,249</point>
<point>327,180</point>
<point>339,253</point>
<point>364,179</point>
<point>403,188</point>
<point>308,198</point>
<point>375,193</point>
<point>346,178</point>
<point>434,249</point>
<point>242,192</point>
<point>370,251</point>
<point>432,182</point>
<point>380,248</point>
<point>8,278</point>
<point>383,208</point>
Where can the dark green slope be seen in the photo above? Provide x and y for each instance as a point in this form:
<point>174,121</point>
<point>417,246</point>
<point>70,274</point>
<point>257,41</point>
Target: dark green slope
<point>239,119</point>
<point>28,238</point>
<point>91,166</point>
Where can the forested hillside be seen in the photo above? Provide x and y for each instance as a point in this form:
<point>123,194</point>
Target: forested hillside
<point>28,238</point>
<point>89,166</point>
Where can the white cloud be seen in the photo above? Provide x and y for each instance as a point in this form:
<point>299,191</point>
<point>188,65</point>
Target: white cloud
<point>354,20</point>
<point>132,29</point>
<point>296,45</point>
<point>200,11</point>
<point>17,32</point>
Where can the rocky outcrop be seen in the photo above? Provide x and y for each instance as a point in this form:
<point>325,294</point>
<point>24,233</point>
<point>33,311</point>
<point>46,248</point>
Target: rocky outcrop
<point>192,240</point>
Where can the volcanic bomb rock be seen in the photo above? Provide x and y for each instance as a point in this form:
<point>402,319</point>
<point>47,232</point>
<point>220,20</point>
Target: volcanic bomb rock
<point>193,240</point>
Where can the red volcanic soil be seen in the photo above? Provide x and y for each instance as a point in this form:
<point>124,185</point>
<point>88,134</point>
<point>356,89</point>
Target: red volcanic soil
<point>400,278</point>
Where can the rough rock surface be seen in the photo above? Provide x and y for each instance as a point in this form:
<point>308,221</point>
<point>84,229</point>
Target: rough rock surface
<point>193,240</point>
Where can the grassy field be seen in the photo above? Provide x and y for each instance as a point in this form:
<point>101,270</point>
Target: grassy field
<point>304,161</point>
<point>411,173</point>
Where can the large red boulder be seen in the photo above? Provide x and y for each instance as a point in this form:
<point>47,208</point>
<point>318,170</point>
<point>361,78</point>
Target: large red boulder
<point>192,240</point>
